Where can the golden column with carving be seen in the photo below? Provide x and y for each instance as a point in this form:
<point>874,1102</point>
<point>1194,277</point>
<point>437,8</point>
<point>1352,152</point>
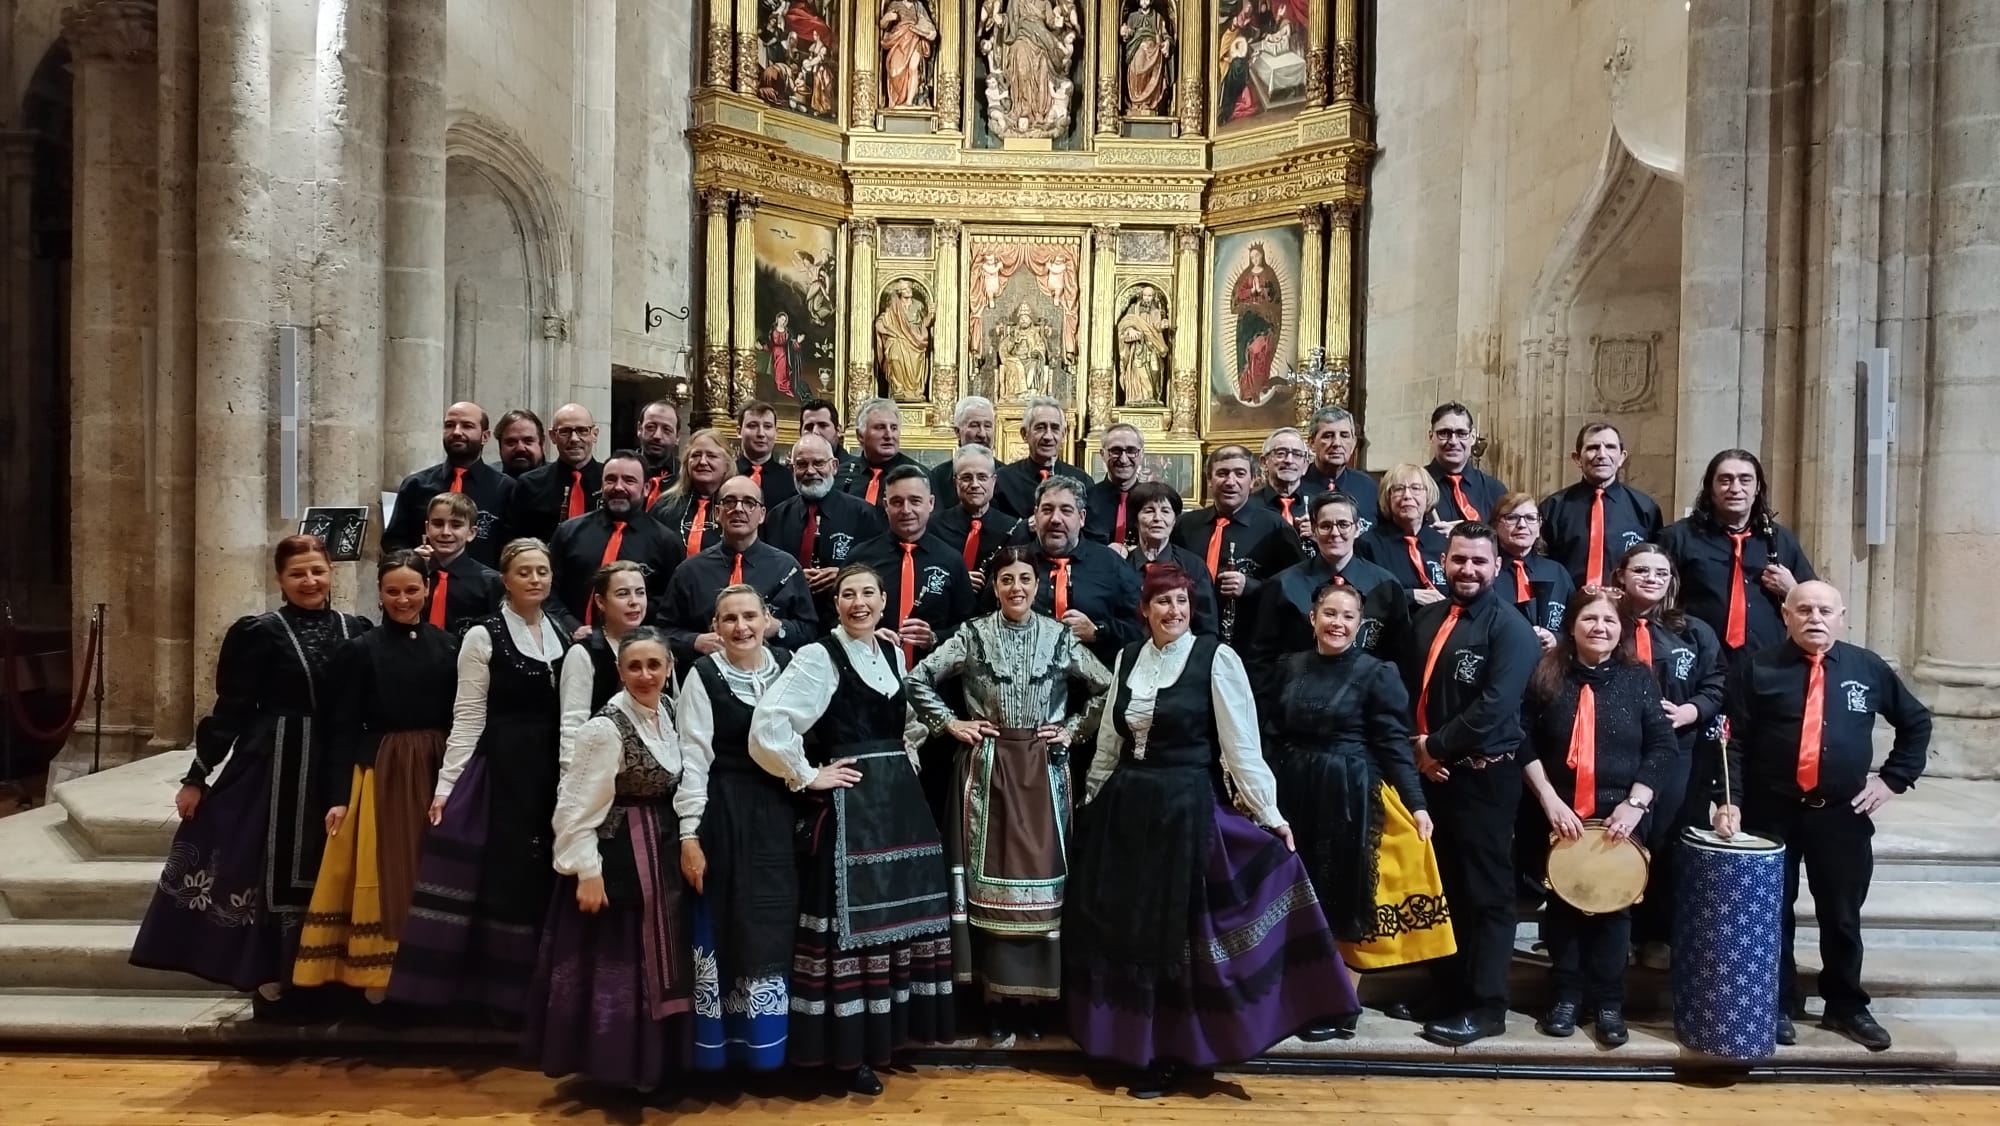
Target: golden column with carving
<point>1339,337</point>
<point>950,92</point>
<point>1189,21</point>
<point>743,297</point>
<point>1316,39</point>
<point>1107,68</point>
<point>713,394</point>
<point>947,331</point>
<point>1312,278</point>
<point>860,314</point>
<point>1100,392</point>
<point>719,49</point>
<point>862,93</point>
<point>1184,397</point>
<point>1346,50</point>
<point>746,47</point>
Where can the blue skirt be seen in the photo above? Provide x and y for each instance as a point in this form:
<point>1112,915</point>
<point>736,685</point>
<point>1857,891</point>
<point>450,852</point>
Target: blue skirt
<point>740,1026</point>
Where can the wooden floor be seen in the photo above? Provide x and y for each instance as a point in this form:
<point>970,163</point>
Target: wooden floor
<point>155,1091</point>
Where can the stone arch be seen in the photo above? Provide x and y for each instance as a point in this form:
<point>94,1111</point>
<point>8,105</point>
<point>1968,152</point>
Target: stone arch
<point>507,260</point>
<point>1600,338</point>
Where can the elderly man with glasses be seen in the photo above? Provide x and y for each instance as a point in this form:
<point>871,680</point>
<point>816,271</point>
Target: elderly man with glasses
<point>1109,518</point>
<point>565,488</point>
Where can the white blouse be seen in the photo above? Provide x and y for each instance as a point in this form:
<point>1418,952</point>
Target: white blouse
<point>590,782</point>
<point>695,722</point>
<point>542,641</point>
<point>574,684</point>
<point>1154,670</point>
<point>802,694</point>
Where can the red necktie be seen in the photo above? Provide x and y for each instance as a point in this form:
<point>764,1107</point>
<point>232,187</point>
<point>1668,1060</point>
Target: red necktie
<point>757,475</point>
<point>1642,644</point>
<point>1734,634</point>
<point>1118,524</point>
<point>972,545</point>
<point>457,481</point>
<point>1285,506</point>
<point>874,485</point>
<point>812,533</point>
<point>699,527</point>
<point>1214,557</point>
<point>1417,561</point>
<point>437,598</point>
<point>1811,722</point>
<point>1430,664</point>
<point>1060,579</point>
<point>1583,752</point>
<point>906,599</point>
<point>611,547</point>
<point>736,570</point>
<point>575,493</point>
<point>1522,592</point>
<point>1045,474</point>
<point>1465,509</point>
<point>653,490</point>
<point>1593,569</point>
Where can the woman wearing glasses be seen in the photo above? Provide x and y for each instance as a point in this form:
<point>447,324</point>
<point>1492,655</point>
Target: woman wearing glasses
<point>1403,542</point>
<point>1284,615</point>
<point>1538,586</point>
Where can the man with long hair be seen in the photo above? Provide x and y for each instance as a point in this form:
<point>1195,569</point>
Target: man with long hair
<point>1736,562</point>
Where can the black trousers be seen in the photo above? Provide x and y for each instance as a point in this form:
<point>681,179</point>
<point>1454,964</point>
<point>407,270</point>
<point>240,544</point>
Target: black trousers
<point>1680,801</point>
<point>1587,953</point>
<point>1837,847</point>
<point>1475,813</point>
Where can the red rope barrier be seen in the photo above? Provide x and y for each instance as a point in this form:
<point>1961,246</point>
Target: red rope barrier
<point>92,650</point>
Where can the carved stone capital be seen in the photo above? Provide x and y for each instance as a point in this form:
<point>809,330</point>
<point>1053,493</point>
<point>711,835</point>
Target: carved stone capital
<point>1103,236</point>
<point>120,31</point>
<point>948,231</point>
<point>717,58</point>
<point>861,103</point>
<point>949,100</point>
<point>1344,64</point>
<point>1341,214</point>
<point>746,63</point>
<point>861,232</point>
<point>1107,103</point>
<point>555,326</point>
<point>746,206</point>
<point>1312,218</point>
<point>1187,239</point>
<point>1190,107</point>
<point>1316,76</point>
<point>713,201</point>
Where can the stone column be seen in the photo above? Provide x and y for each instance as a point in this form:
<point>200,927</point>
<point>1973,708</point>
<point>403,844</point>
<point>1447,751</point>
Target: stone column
<point>413,295</point>
<point>1185,394</point>
<point>860,315</point>
<point>1312,279</point>
<point>1108,57</point>
<point>743,304</point>
<point>718,52</point>
<point>746,47</point>
<point>948,378</point>
<point>233,423</point>
<point>1101,388</point>
<point>713,393</point>
<point>464,341</point>
<point>18,438</point>
<point>174,378</point>
<point>113,241</point>
<point>864,94</point>
<point>1958,663</point>
<point>594,162</point>
<point>1338,338</point>
<point>1346,51</point>
<point>1189,23</point>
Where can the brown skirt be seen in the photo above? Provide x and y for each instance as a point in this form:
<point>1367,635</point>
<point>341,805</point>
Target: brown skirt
<point>406,770</point>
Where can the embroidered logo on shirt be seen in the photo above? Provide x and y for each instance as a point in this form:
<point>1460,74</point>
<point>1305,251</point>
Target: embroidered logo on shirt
<point>1683,663</point>
<point>842,543</point>
<point>1371,633</point>
<point>1437,573</point>
<point>1857,696</point>
<point>1631,540</point>
<point>935,579</point>
<point>487,522</point>
<point>1467,669</point>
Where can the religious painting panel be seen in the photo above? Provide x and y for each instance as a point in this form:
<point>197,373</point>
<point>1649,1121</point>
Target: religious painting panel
<point>795,309</point>
<point>798,56</point>
<point>1029,58</point>
<point>1253,335</point>
<point>1147,38</point>
<point>909,38</point>
<point>1175,463</point>
<point>904,315</point>
<point>1260,60</point>
<point>1024,310</point>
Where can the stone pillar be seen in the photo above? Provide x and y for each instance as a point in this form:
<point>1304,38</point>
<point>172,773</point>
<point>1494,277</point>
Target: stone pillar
<point>18,441</point>
<point>743,304</point>
<point>718,52</point>
<point>1346,51</point>
<point>174,378</point>
<point>114,237</point>
<point>1312,279</point>
<point>864,93</point>
<point>1339,336</point>
<point>1108,59</point>
<point>1189,23</point>
<point>413,178</point>
<point>1101,387</point>
<point>713,394</point>
<point>464,341</point>
<point>860,315</point>
<point>1185,394</point>
<point>949,380</point>
<point>1958,665</point>
<point>594,162</point>
<point>233,423</point>
<point>746,47</point>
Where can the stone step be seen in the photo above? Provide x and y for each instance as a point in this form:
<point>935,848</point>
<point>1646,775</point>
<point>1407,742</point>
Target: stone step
<point>50,873</point>
<point>1909,913</point>
<point>86,956</point>
<point>160,1019</point>
<point>127,811</point>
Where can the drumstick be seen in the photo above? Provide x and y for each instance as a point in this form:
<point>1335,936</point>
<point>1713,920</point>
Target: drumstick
<point>1725,762</point>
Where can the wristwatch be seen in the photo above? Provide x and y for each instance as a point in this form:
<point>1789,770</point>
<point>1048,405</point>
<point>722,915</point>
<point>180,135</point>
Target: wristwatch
<point>1635,803</point>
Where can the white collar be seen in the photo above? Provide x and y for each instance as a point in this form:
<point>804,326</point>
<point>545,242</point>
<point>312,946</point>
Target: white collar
<point>1172,648</point>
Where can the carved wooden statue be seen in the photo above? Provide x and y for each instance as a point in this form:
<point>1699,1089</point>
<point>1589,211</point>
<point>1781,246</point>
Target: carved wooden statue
<point>1148,47</point>
<point>909,37</point>
<point>903,343</point>
<point>1142,349</point>
<point>1028,46</point>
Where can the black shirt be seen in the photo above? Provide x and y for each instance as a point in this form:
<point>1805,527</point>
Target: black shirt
<point>396,678</point>
<point>577,551</point>
<point>1260,543</point>
<point>1354,483</point>
<point>1014,486</point>
<point>996,530</point>
<point>687,610</point>
<point>678,513</point>
<point>1386,546</point>
<point>1703,556</point>
<point>1103,588</point>
<point>489,488</point>
<point>840,523</point>
<point>472,592</point>
<point>1479,679</point>
<point>1206,618</point>
<point>943,598</point>
<point>1630,518</point>
<point>1282,622</point>
<point>1767,699</point>
<point>541,497</point>
<point>1483,490</point>
<point>1549,589</point>
<point>1634,741</point>
<point>1687,663</point>
<point>773,476</point>
<point>1100,513</point>
<point>854,476</point>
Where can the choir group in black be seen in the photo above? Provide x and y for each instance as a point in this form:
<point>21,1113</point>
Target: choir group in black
<point>994,746</point>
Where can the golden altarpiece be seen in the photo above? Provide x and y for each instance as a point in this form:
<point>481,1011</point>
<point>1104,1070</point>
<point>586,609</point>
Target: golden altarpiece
<point>1145,208</point>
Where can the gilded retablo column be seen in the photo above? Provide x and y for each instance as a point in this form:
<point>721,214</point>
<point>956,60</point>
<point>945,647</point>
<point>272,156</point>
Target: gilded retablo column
<point>1100,395</point>
<point>743,300</point>
<point>713,393</point>
<point>861,314</point>
<point>948,332</point>
<point>1339,338</point>
<point>1184,397</point>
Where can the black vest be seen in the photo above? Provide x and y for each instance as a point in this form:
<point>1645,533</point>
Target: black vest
<point>1183,733</point>
<point>859,714</point>
<point>731,741</point>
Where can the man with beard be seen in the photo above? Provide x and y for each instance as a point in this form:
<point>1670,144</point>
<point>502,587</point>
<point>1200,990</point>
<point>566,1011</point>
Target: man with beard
<point>756,452</point>
<point>1334,440</point>
<point>1590,524</point>
<point>461,471</point>
<point>659,446</point>
<point>821,526</point>
<point>1241,543</point>
<point>617,528</point>
<point>925,581</point>
<point>1464,493</point>
<point>1282,488</point>
<point>880,426</point>
<point>1110,519</point>
<point>1467,665</point>
<point>463,590</point>
<point>1083,585</point>
<point>972,423</point>
<point>565,488</point>
<point>1736,562</point>
<point>688,610</point>
<point>1043,429</point>
<point>820,417</point>
<point>522,440</point>
<point>973,527</point>
<point>1282,622</point>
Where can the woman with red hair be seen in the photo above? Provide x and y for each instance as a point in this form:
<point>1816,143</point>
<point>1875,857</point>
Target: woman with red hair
<point>1192,935</point>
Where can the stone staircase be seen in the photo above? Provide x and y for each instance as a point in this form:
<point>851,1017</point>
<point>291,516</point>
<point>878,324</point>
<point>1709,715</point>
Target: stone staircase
<point>76,875</point>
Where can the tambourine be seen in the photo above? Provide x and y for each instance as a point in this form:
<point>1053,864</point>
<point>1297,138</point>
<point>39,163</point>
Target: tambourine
<point>1595,874</point>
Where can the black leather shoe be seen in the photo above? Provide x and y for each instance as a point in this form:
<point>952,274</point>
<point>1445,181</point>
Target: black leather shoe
<point>1416,1012</point>
<point>1156,1081</point>
<point>862,1081</point>
<point>1466,1028</point>
<point>1787,1035</point>
<point>1860,1028</point>
<point>1611,1027</point>
<point>1560,1020</point>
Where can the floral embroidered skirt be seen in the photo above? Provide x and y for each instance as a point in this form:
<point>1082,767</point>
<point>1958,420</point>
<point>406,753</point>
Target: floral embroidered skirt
<point>737,1023</point>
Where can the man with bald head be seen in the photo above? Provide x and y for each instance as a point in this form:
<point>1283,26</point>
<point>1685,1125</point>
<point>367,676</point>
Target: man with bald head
<point>1801,747</point>
<point>738,555</point>
<point>565,488</point>
<point>821,526</point>
<point>466,429</point>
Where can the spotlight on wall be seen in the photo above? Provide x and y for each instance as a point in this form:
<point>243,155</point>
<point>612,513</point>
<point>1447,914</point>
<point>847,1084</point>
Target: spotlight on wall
<point>656,315</point>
